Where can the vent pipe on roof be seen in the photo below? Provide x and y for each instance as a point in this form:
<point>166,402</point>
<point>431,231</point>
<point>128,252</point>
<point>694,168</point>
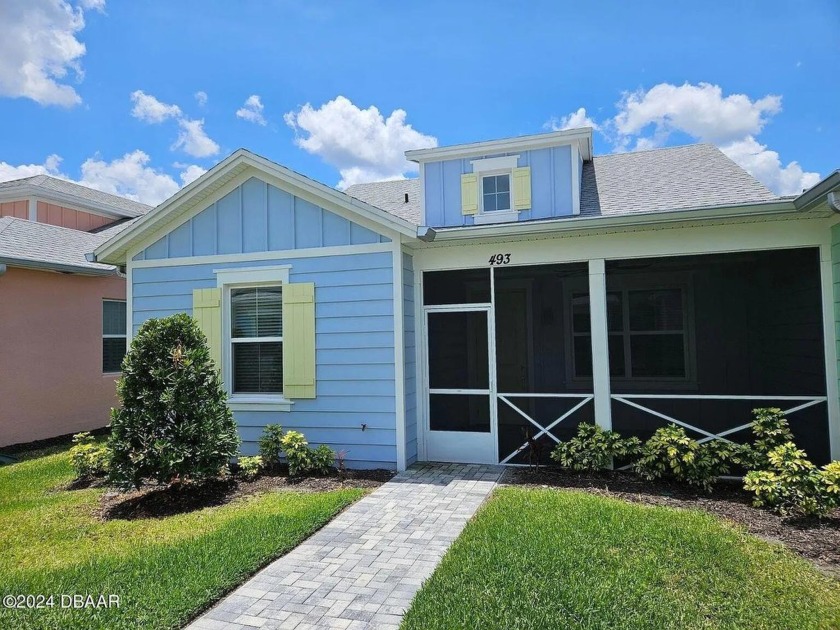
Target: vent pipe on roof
<point>406,197</point>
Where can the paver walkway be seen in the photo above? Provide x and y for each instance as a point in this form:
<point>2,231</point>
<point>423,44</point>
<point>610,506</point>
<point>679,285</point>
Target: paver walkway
<point>362,569</point>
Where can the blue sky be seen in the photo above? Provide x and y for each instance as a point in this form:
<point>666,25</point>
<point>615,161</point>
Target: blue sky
<point>107,88</point>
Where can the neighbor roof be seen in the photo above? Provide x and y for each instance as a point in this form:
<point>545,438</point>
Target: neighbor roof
<point>34,245</point>
<point>68,191</point>
<point>391,197</point>
<point>658,180</point>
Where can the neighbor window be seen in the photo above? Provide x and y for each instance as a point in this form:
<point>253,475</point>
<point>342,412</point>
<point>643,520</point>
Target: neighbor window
<point>648,334</point>
<point>256,337</point>
<point>495,192</point>
<point>113,335</point>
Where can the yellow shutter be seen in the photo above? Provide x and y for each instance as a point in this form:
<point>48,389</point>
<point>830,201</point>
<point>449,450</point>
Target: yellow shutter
<point>522,188</point>
<point>299,340</point>
<point>469,193</point>
<point>207,310</point>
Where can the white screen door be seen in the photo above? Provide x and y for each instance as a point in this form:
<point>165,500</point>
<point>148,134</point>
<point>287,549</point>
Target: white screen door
<point>461,377</point>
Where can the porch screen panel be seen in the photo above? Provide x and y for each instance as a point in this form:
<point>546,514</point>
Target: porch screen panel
<point>463,286</point>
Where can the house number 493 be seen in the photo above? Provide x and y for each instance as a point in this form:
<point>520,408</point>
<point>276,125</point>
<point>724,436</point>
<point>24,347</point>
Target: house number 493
<point>499,259</point>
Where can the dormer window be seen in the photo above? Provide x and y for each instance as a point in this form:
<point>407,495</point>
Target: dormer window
<point>495,191</point>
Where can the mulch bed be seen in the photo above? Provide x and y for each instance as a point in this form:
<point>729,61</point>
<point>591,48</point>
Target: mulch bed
<point>817,540</point>
<point>157,501</point>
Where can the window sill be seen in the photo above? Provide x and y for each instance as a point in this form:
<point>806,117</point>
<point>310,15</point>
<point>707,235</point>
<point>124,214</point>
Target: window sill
<point>498,216</point>
<point>259,403</point>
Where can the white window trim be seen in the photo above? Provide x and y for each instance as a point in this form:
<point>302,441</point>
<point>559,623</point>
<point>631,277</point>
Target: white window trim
<point>240,277</point>
<point>123,336</point>
<point>495,166</point>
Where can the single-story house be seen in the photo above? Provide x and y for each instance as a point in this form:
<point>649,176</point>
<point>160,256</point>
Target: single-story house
<point>517,288</point>
<point>62,318</point>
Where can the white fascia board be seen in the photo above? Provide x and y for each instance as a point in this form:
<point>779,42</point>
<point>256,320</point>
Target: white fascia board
<point>115,250</point>
<point>575,223</point>
<point>583,136</point>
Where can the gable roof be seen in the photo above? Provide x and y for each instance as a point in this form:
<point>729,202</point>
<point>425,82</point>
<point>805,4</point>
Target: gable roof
<point>164,216</point>
<point>72,193</point>
<point>32,245</point>
<point>658,180</point>
<point>390,196</point>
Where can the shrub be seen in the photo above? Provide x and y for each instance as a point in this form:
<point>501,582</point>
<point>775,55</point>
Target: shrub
<point>671,453</point>
<point>88,457</point>
<point>304,460</point>
<point>271,445</point>
<point>174,422</point>
<point>250,467</point>
<point>771,430</point>
<point>594,448</point>
<point>793,486</point>
<point>323,458</point>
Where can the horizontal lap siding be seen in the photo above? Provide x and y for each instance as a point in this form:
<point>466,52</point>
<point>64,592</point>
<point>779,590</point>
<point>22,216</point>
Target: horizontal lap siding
<point>354,340</point>
<point>410,361</point>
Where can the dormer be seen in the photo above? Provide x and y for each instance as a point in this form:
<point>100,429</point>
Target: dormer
<point>503,181</point>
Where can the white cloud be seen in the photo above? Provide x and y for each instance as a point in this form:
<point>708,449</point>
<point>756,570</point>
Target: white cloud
<point>647,119</point>
<point>362,144</point>
<point>575,120</point>
<point>129,176</point>
<point>698,110</point>
<point>149,109</point>
<point>50,166</point>
<point>39,49</point>
<point>201,98</point>
<point>766,166</point>
<point>193,140</point>
<point>191,172</point>
<point>252,110</point>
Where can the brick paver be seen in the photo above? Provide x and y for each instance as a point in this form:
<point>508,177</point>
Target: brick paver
<point>362,569</point>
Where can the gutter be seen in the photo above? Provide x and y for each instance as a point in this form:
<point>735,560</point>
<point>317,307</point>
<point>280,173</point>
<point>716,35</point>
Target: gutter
<point>40,265</point>
<point>578,223</point>
<point>818,193</point>
<point>28,190</point>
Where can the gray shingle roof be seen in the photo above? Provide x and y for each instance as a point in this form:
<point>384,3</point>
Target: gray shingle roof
<point>658,180</point>
<point>47,184</point>
<point>43,246</point>
<point>390,196</point>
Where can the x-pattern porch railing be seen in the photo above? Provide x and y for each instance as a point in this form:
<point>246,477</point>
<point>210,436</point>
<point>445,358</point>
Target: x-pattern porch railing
<point>543,430</point>
<point>629,400</point>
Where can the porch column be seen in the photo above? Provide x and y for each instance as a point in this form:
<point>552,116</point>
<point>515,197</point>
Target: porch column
<point>829,275</point>
<point>600,340</point>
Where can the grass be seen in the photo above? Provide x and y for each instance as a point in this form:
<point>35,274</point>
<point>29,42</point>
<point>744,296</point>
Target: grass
<point>535,558</point>
<point>163,570</point>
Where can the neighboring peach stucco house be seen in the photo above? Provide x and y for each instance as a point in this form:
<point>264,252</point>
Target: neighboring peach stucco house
<point>62,318</point>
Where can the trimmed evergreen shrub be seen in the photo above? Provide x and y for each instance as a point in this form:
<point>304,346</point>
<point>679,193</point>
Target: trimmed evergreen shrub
<point>174,423</point>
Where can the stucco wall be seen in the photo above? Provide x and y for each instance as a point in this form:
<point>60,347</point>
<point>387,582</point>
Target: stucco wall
<point>51,380</point>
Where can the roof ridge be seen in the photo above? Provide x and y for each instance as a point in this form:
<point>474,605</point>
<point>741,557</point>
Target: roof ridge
<point>652,149</point>
<point>50,226</point>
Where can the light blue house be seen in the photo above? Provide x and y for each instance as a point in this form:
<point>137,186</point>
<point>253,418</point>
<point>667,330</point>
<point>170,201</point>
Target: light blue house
<point>517,288</point>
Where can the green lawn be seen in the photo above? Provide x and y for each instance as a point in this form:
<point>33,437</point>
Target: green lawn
<point>163,570</point>
<point>545,559</point>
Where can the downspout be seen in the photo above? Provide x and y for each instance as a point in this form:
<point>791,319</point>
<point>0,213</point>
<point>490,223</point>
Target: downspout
<point>2,269</point>
<point>834,201</point>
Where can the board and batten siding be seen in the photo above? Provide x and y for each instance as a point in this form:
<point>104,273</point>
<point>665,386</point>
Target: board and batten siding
<point>410,359</point>
<point>354,349</point>
<point>551,186</point>
<point>258,217</point>
<point>835,267</point>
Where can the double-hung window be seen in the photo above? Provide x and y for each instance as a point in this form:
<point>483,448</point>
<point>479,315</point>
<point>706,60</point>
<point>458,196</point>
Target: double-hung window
<point>113,335</point>
<point>256,339</point>
<point>649,329</point>
<point>496,202</point>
